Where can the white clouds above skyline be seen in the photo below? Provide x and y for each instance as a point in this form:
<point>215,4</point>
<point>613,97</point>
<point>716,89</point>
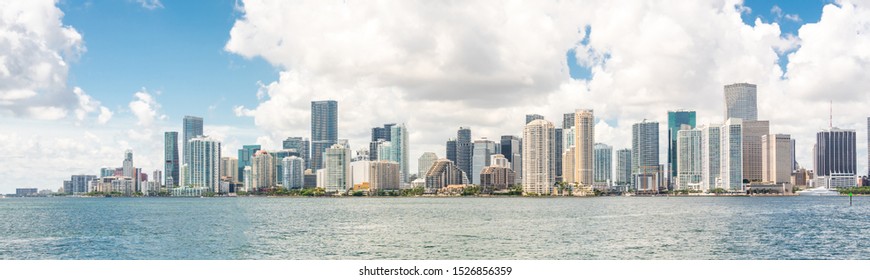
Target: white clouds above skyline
<point>437,66</point>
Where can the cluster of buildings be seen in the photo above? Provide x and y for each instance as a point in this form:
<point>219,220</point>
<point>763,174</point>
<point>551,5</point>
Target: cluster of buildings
<point>738,155</point>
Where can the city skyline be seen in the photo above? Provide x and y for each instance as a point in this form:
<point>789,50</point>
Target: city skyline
<point>100,122</point>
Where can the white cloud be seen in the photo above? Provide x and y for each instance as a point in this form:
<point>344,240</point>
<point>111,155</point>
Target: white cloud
<point>145,108</point>
<point>150,4</point>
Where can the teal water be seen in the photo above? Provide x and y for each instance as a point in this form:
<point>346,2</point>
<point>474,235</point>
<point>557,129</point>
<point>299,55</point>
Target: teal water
<point>436,228</point>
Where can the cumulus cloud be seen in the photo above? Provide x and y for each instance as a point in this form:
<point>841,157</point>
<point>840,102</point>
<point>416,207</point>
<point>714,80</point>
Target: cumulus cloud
<point>150,4</point>
<point>36,48</point>
<point>438,66</point>
<point>145,108</point>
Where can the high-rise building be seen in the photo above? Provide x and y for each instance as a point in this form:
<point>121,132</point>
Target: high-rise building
<point>425,162</point>
<point>623,167</point>
<point>129,170</point>
<point>450,152</point>
<point>532,117</point>
<point>278,164</point>
<point>568,120</point>
<point>483,150</point>
<point>385,175</point>
<point>385,151</point>
<point>645,157</point>
<point>740,102</point>
<point>262,171</point>
<point>731,155</point>
<point>170,156</point>
<point>511,148</point>
<point>444,173</point>
<point>689,158</point>
<point>835,158</point>
<point>538,162</point>
<point>496,178</point>
<point>79,184</point>
<point>499,160</point>
<point>204,168</point>
<point>324,129</point>
<point>399,138</point>
<point>603,164</point>
<point>336,161</point>
<point>245,155</point>
<point>379,134</point>
<point>568,165</point>
<point>301,145</point>
<point>230,169</point>
<point>776,155</point>
<point>584,146</point>
<point>191,128</point>
<point>676,119</point>
<point>568,137</point>
<point>464,149</point>
<point>294,170</point>
<point>710,156</point>
<point>752,161</point>
<point>557,153</point>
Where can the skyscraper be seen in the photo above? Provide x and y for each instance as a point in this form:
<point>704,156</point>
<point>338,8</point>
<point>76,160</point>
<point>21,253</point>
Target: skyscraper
<point>336,162</point>
<point>294,170</point>
<point>230,169</point>
<point>245,155</point>
<point>379,134</point>
<point>191,128</point>
<point>740,102</point>
<point>424,163</point>
<point>689,158</point>
<point>557,153</point>
<point>538,162</point>
<point>531,117</point>
<point>324,129</point>
<point>623,167</point>
<point>776,154</point>
<point>204,168</point>
<point>710,156</point>
<point>676,119</point>
<point>645,169</point>
<point>399,138</point>
<point>752,161</point>
<point>302,146</point>
<point>568,120</point>
<point>483,150</point>
<point>129,171</point>
<point>511,149</point>
<point>731,155</point>
<point>464,149</point>
<point>568,167</point>
<point>603,164</point>
<point>170,156</point>
<point>835,158</point>
<point>443,173</point>
<point>261,171</point>
<point>451,150</point>
<point>584,146</point>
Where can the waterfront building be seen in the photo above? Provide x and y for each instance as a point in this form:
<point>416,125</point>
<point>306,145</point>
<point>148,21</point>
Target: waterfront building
<point>399,138</point>
<point>337,165</point>
<point>26,191</point>
<point>603,164</point>
<point>740,102</point>
<point>689,158</point>
<point>584,146</point>
<point>245,155</point>
<point>538,162</point>
<point>835,158</point>
<point>262,176</point>
<point>79,184</point>
<point>324,130</point>
<point>676,119</point>
<point>777,161</point>
<point>204,168</point>
<point>532,117</point>
<point>710,157</point>
<point>511,148</point>
<point>278,164</point>
<point>379,134</point>
<point>191,128</point>
<point>310,179</point>
<point>464,149</point>
<point>623,168</point>
<point>129,170</point>
<point>568,121</point>
<point>752,161</point>
<point>302,146</point>
<point>385,151</point>
<point>497,178</point>
<point>442,174</point>
<point>731,155</point>
<point>499,160</point>
<point>425,162</point>
<point>450,152</point>
<point>230,169</point>
<point>483,150</point>
<point>557,152</point>
<point>385,175</point>
<point>645,157</point>
<point>568,165</point>
<point>294,168</point>
<point>170,156</point>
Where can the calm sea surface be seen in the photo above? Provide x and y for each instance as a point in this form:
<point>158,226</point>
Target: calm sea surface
<point>436,228</point>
